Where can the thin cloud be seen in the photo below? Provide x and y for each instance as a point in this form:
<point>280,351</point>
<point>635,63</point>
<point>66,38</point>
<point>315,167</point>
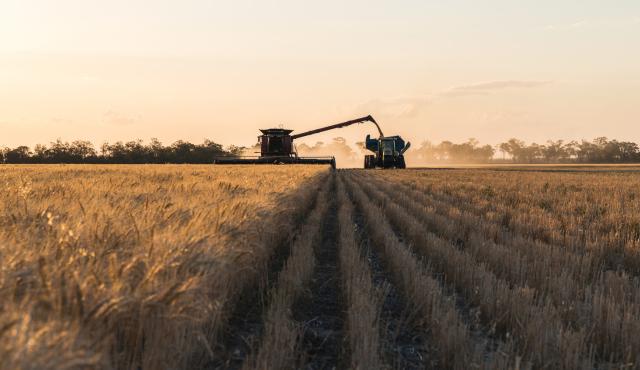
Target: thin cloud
<point>488,87</point>
<point>574,25</point>
<point>118,119</point>
<point>594,24</point>
<point>411,107</point>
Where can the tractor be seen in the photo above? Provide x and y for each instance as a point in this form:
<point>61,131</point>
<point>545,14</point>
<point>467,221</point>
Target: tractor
<point>389,152</point>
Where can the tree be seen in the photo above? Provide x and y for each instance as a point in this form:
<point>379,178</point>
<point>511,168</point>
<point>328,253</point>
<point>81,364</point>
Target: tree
<point>554,151</point>
<point>629,151</point>
<point>443,151</point>
<point>157,152</point>
<point>82,151</point>
<point>426,153</point>
<point>117,153</point>
<point>484,154</point>
<point>571,148</point>
<point>41,153</point>
<point>504,148</point>
<point>515,149</point>
<point>136,152</point>
<point>20,154</point>
<point>532,153</point>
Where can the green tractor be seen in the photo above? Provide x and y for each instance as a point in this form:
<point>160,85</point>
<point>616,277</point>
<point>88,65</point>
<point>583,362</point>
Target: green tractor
<point>389,152</point>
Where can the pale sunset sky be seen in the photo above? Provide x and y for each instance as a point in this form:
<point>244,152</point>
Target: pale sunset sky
<point>427,70</point>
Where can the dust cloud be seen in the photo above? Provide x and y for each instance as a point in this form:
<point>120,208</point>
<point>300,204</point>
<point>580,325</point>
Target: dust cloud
<point>346,156</point>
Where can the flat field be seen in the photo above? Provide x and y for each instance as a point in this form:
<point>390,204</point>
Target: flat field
<point>278,267</point>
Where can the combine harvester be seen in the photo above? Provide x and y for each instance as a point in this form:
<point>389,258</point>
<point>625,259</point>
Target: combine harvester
<point>276,147</point>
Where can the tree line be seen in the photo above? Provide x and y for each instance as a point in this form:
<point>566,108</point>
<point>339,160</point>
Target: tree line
<point>81,151</point>
<point>599,150</point>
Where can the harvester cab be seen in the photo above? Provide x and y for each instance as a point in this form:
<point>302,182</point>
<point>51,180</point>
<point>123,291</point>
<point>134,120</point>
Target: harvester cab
<point>276,142</point>
<point>389,152</point>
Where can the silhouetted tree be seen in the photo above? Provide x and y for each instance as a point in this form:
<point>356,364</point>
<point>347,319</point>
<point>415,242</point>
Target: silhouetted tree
<point>448,152</point>
<point>426,153</point>
<point>130,152</point>
<point>629,151</point>
<point>600,150</point>
<point>20,154</point>
<point>554,151</point>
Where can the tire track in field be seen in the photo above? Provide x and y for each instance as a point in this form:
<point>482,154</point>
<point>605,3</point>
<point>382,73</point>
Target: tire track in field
<point>321,310</point>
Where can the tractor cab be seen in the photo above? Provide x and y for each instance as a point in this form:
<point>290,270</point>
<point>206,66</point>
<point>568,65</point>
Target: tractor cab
<point>388,146</point>
<point>276,142</point>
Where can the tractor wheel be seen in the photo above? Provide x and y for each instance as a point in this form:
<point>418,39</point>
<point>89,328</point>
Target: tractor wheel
<point>368,161</point>
<point>401,163</point>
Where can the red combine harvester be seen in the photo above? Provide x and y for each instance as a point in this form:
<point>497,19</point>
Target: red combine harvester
<point>276,146</point>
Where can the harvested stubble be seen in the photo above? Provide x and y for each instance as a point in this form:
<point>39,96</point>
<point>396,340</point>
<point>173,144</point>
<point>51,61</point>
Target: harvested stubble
<point>538,231</point>
<point>456,349</point>
<point>135,266</point>
<point>585,289</point>
<point>364,301</point>
<point>608,307</point>
<point>513,310</point>
<point>598,212</point>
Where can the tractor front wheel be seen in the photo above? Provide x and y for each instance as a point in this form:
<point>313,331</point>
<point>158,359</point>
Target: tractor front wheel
<point>400,163</point>
<point>369,161</point>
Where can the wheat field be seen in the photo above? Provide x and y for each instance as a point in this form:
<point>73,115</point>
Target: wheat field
<point>290,267</point>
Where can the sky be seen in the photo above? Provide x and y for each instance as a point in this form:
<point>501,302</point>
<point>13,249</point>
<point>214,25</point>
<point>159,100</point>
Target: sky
<point>426,70</point>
